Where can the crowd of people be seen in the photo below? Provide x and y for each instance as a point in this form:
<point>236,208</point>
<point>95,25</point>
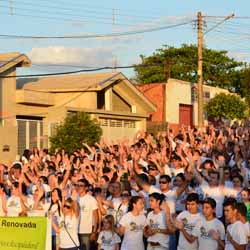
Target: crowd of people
<point>185,191</point>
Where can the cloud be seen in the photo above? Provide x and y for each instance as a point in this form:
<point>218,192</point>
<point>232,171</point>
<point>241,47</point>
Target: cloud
<point>61,55</point>
<point>241,56</point>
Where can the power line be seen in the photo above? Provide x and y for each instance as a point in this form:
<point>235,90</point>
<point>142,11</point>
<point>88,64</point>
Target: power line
<point>58,13</point>
<point>78,9</point>
<point>82,70</point>
<point>118,34</point>
<point>219,23</point>
<point>152,10</point>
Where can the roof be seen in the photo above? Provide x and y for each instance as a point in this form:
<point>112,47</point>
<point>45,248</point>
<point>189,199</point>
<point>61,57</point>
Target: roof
<point>14,59</point>
<point>83,82</point>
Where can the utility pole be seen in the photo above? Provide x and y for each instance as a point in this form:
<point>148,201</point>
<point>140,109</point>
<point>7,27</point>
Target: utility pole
<point>114,59</point>
<point>11,7</point>
<point>167,69</point>
<point>199,71</point>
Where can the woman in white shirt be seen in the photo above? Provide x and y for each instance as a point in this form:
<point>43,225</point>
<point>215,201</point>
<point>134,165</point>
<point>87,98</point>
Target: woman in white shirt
<point>132,225</point>
<point>55,210</point>
<point>68,226</point>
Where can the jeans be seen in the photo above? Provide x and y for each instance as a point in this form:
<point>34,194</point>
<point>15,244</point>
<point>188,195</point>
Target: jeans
<point>172,242</point>
<point>84,241</point>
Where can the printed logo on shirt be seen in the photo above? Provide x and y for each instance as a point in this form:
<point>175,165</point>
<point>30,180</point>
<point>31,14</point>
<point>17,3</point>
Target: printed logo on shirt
<point>106,242</point>
<point>153,225</point>
<point>82,207</point>
<point>13,204</point>
<point>204,233</point>
<point>135,228</point>
<point>187,226</point>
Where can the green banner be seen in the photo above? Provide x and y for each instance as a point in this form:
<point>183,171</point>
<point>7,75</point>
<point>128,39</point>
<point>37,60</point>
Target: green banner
<point>23,233</point>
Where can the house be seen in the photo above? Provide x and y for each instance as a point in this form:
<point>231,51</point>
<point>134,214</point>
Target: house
<point>176,102</point>
<point>8,129</point>
<point>30,114</point>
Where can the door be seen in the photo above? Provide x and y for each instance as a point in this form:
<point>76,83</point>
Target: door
<point>185,115</point>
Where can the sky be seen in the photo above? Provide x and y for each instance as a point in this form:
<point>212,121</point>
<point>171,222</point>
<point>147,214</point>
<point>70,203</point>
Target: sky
<point>82,17</point>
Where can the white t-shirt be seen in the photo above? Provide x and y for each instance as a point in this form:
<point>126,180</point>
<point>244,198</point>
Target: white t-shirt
<point>172,171</point>
<point>158,221</point>
<point>217,194</point>
<point>171,197</point>
<point>42,211</point>
<point>87,204</point>
<point>116,203</point>
<point>190,221</point>
<point>247,231</point>
<point>68,226</point>
<point>108,240</point>
<point>232,192</point>
<point>238,234</point>
<point>202,232</point>
<point>14,206</point>
<point>133,236</point>
<point>122,209</point>
<point>154,189</point>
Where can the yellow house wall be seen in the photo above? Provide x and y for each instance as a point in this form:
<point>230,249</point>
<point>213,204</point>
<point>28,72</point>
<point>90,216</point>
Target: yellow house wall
<point>34,97</point>
<point>128,95</point>
<point>8,128</point>
<point>179,92</point>
<point>76,99</point>
<point>176,93</point>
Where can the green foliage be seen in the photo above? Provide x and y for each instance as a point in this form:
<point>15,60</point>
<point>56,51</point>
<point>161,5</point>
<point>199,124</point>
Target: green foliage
<point>245,85</point>
<point>218,69</point>
<point>226,106</point>
<point>76,129</point>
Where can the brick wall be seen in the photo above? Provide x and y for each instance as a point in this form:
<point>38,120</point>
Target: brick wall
<point>154,92</point>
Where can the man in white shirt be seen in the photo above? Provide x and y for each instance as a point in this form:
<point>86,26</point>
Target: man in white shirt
<point>241,216</point>
<point>186,222</point>
<point>235,237</point>
<point>88,214</point>
<point>210,231</point>
<point>212,189</point>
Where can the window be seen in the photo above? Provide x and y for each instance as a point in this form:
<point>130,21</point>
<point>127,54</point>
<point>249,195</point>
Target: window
<point>101,99</point>
<point>30,134</point>
<point>117,123</point>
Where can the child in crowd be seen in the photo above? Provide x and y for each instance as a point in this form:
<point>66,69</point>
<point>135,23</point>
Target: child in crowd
<point>108,239</point>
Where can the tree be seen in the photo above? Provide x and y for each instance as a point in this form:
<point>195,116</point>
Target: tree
<point>226,106</point>
<point>218,69</point>
<point>76,129</point>
<point>245,84</point>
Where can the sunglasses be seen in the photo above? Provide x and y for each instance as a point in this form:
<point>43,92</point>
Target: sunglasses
<point>79,185</point>
<point>67,206</point>
<point>152,169</point>
<point>163,182</point>
<point>125,195</point>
